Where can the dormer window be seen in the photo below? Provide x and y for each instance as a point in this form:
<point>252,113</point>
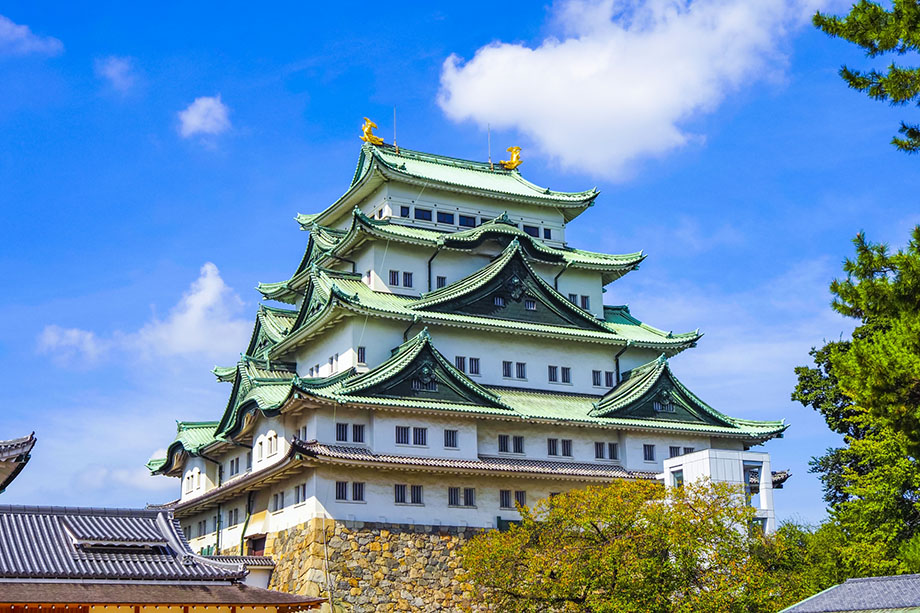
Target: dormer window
<point>530,304</point>
<point>498,301</point>
<point>424,386</point>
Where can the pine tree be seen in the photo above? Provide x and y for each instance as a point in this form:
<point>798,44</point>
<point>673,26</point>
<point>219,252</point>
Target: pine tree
<point>879,32</point>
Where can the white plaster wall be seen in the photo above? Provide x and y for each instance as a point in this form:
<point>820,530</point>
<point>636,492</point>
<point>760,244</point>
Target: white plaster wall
<point>337,340</point>
<point>485,208</point>
<point>384,427</point>
<point>633,442</point>
<point>264,427</point>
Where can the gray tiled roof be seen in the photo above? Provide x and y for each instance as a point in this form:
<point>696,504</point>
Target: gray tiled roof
<point>897,593</point>
<point>483,463</point>
<point>85,543</point>
<point>245,560</point>
<point>14,454</point>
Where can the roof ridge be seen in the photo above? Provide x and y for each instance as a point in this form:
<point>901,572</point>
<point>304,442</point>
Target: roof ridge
<point>24,509</point>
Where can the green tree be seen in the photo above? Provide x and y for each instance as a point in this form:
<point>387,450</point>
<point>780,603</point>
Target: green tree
<point>866,389</point>
<point>635,546</point>
<point>880,31</point>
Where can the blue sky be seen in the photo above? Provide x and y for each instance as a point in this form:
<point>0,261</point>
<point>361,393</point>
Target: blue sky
<point>722,139</point>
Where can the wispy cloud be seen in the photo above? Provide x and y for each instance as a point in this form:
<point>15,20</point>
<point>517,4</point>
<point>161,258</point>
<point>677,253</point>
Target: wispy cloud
<point>205,322</point>
<point>118,72</point>
<point>623,77</point>
<point>18,39</point>
<point>207,116</point>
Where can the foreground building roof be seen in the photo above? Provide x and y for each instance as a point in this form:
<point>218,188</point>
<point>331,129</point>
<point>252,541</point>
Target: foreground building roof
<point>83,556</point>
<point>896,594</point>
<point>14,455</point>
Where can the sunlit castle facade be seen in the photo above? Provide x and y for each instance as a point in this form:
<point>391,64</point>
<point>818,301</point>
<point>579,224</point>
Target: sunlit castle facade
<point>439,356</point>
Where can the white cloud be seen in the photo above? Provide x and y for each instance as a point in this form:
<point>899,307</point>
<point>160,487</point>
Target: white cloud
<point>626,74</point>
<point>71,344</point>
<point>17,39</point>
<point>206,115</point>
<point>119,72</point>
<point>205,322</point>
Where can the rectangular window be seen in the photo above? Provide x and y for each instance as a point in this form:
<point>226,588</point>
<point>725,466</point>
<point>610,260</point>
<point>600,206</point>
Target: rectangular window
<point>403,211</point>
<point>504,499</point>
<point>567,447</point>
<point>520,497</point>
<point>573,298</point>
<point>423,214</point>
<point>503,440</point>
<point>341,433</point>
<point>445,217</point>
<point>259,450</point>
<point>357,433</point>
<point>300,494</point>
<point>596,378</point>
<point>367,277</point>
<point>688,450</point>
<point>341,490</point>
<point>450,439</point>
<point>394,278</point>
<point>469,497</point>
<point>648,453</point>
<point>362,355</point>
<point>518,444</point>
<point>566,374</point>
<point>415,494</point>
<point>533,231</point>
<point>419,436</point>
<point>552,446</point>
<point>586,302</point>
<point>530,305</point>
<point>506,369</point>
<point>552,373</point>
<point>441,282</point>
<point>599,451</point>
<point>399,493</point>
<point>453,496</point>
<point>402,435</point>
<point>460,363</point>
<point>520,370</point>
<point>474,366</point>
<point>608,378</point>
<point>357,491</point>
<point>547,233</point>
<point>248,460</point>
<point>407,279</point>
<point>673,451</point>
<point>467,222</point>
<point>614,451</point>
<point>498,301</point>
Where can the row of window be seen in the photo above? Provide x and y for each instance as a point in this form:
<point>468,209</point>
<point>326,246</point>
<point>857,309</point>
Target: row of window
<point>406,279</point>
<point>456,496</point>
<point>267,447</point>
<point>342,431</point>
<point>279,500</point>
<point>585,301</point>
<point>648,452</point>
<point>235,464</point>
<point>466,364</point>
<point>464,221</point>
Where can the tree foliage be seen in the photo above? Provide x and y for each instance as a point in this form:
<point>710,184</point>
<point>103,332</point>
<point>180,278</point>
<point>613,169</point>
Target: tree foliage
<point>880,31</point>
<point>634,546</point>
<point>867,388</point>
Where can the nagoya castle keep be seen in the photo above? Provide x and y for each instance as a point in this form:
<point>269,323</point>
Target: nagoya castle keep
<point>440,355</point>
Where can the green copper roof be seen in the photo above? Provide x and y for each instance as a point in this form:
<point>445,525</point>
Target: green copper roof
<point>334,295</point>
<point>191,438</point>
<point>258,385</point>
<point>383,163</point>
<point>409,359</point>
<point>337,244</point>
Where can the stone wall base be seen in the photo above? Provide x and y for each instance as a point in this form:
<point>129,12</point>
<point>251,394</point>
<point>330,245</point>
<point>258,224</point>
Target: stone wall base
<point>373,566</point>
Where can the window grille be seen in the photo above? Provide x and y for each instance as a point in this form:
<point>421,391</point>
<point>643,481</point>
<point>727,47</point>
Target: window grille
<point>498,301</point>
<point>518,444</point>
<point>402,435</point>
<point>469,497</point>
<point>520,497</point>
<point>599,451</point>
<point>552,446</point>
<point>648,453</point>
<point>673,451</point>
<point>357,433</point>
<point>399,493</point>
<point>460,363</point>
<point>596,378</point>
<point>503,443</point>
<point>357,491</point>
<point>566,374</point>
<point>506,369</point>
<point>453,496</point>
<point>441,282</point>
<point>474,366</point>
<point>407,279</point>
<point>614,451</point>
<point>415,494</point>
<point>362,355</point>
<point>530,305</point>
<point>552,373</point>
<point>341,490</point>
<point>394,278</point>
<point>504,499</point>
<point>567,447</point>
<point>420,436</point>
<point>450,439</point>
<point>341,432</point>
<point>520,370</point>
<point>421,386</point>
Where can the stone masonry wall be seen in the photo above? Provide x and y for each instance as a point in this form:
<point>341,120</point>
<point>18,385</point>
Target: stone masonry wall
<point>374,566</point>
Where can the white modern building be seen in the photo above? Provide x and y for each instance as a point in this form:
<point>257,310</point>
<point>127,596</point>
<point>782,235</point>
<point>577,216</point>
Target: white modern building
<point>439,356</point>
